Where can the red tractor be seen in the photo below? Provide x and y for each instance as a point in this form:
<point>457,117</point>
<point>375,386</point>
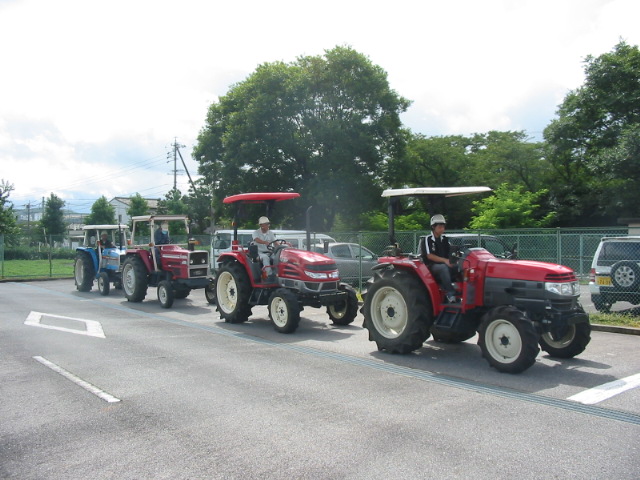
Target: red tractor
<point>160,263</point>
<point>302,278</point>
<point>513,305</point>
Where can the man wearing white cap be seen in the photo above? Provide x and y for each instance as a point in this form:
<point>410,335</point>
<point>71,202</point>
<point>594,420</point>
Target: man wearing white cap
<point>263,237</point>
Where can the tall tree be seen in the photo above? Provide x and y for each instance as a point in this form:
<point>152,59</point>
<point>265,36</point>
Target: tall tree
<point>8,224</point>
<point>322,126</point>
<point>138,207</point>
<point>594,122</point>
<point>510,207</point>
<point>53,216</point>
<point>102,212</point>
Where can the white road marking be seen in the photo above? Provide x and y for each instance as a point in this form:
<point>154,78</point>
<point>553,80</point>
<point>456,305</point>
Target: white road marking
<point>78,381</point>
<point>607,390</point>
<point>92,328</point>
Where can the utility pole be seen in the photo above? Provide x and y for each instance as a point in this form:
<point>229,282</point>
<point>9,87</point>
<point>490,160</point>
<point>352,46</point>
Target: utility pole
<point>175,154</point>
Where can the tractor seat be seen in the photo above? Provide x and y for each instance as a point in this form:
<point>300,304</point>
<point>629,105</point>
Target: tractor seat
<point>253,252</point>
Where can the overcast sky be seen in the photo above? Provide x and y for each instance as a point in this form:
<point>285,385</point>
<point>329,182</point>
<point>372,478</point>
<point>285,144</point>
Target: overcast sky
<point>93,94</point>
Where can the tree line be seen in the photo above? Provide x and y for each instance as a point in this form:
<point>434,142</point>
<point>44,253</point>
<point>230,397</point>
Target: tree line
<point>329,128</point>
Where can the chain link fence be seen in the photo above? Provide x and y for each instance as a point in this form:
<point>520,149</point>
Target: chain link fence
<point>25,258</point>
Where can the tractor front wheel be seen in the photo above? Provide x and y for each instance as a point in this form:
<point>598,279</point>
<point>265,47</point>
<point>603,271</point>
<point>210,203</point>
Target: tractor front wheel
<point>572,343</point>
<point>345,312</point>
<point>134,279</point>
<point>165,294</point>
<point>508,340</point>
<point>284,310</point>
<point>103,284</point>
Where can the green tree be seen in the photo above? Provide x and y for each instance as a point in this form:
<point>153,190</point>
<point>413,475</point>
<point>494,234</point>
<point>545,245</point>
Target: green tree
<point>321,126</point>
<point>595,124</point>
<point>8,224</point>
<point>510,207</point>
<point>53,217</point>
<point>138,207</point>
<point>102,213</point>
<point>173,203</point>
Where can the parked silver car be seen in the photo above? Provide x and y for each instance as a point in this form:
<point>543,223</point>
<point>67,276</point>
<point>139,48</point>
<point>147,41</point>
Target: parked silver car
<point>354,261</point>
<point>615,272</point>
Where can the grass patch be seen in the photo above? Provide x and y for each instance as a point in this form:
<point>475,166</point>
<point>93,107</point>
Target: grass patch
<point>616,319</point>
<point>37,268</point>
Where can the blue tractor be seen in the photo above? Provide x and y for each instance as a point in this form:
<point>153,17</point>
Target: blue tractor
<point>100,257</point>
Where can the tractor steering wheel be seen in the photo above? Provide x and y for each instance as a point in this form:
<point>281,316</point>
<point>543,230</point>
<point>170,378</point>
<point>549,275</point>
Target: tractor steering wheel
<point>276,244</point>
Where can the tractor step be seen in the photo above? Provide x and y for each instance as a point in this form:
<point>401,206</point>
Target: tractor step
<point>449,317</point>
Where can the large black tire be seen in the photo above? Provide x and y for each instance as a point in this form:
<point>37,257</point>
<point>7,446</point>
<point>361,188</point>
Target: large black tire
<point>233,290</point>
<point>600,304</point>
<point>134,279</point>
<point>508,340</point>
<point>572,343</point>
<point>397,311</point>
<point>625,275</point>
<point>345,312</point>
<point>84,272</point>
<point>103,284</point>
<point>165,294</point>
<point>210,293</point>
<point>284,310</point>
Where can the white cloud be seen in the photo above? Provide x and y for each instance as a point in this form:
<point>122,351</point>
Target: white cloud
<point>88,83</point>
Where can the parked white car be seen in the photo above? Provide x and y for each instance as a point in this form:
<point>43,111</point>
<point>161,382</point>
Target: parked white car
<point>615,272</point>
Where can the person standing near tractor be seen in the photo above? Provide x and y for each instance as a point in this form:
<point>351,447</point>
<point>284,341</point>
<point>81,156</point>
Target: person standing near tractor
<point>262,237</point>
<point>436,256</point>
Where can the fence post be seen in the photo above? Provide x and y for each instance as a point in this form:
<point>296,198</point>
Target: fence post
<point>558,246</point>
<point>50,261</point>
<point>1,256</point>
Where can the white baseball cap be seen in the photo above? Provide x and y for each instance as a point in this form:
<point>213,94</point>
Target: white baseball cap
<point>263,220</point>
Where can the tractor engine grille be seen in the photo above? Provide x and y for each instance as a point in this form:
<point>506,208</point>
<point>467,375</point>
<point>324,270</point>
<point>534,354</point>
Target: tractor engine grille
<point>321,268</point>
<point>560,277</point>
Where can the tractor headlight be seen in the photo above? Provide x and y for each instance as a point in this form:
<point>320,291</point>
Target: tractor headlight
<point>567,289</point>
<point>316,275</point>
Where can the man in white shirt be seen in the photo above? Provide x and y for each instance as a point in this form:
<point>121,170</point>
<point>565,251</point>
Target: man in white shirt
<point>263,237</point>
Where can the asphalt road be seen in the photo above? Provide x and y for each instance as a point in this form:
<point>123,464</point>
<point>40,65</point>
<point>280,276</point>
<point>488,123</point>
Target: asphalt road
<point>97,387</point>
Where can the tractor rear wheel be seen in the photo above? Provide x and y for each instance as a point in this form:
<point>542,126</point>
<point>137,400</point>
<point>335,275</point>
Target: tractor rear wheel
<point>134,279</point>
<point>345,312</point>
<point>572,343</point>
<point>397,311</point>
<point>284,311</point>
<point>233,291</point>
<point>508,340</point>
<point>83,271</point>
<point>103,284</point>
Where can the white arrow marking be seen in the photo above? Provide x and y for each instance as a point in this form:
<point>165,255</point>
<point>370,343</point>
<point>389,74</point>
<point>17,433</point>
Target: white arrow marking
<point>92,328</point>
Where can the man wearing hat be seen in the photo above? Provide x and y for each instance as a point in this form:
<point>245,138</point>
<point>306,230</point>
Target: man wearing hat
<point>436,256</point>
<point>263,237</point>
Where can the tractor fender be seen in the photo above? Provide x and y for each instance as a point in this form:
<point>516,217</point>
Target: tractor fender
<point>145,256</point>
<point>94,257</point>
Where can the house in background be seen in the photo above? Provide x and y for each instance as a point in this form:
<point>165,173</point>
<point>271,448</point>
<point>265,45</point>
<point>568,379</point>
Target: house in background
<point>122,204</point>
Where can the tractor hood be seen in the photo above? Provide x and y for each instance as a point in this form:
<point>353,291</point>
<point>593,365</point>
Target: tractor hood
<point>529,270</point>
<point>303,257</point>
